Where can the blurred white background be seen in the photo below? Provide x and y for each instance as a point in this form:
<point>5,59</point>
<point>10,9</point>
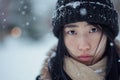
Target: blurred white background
<point>26,36</point>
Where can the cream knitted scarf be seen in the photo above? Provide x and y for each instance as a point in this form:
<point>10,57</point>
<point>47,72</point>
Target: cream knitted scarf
<point>79,71</point>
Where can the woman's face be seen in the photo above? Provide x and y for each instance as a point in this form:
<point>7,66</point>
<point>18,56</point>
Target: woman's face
<point>84,42</point>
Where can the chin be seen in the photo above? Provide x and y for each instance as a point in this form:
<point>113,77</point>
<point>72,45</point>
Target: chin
<point>88,63</point>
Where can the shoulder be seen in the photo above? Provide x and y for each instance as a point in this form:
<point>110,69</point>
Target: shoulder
<point>44,73</point>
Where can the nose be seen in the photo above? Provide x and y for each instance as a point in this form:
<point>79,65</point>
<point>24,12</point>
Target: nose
<point>83,44</point>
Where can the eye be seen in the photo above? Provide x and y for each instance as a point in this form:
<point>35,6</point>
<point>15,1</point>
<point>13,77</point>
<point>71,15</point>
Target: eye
<point>71,32</point>
<point>93,30</point>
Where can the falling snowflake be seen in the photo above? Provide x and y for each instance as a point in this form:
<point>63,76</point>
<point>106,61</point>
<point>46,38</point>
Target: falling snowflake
<point>98,71</point>
<point>21,2</point>
<point>4,20</point>
<point>119,60</point>
<point>34,18</point>
<point>27,23</point>
<point>104,18</point>
<point>111,44</point>
<point>90,15</point>
<point>83,11</point>
<point>23,13</point>
<point>25,7</point>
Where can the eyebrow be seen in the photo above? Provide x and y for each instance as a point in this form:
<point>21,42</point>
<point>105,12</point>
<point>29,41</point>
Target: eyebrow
<point>70,26</point>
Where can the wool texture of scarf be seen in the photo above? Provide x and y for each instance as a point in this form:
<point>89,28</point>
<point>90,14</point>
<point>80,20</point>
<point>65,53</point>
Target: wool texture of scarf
<point>79,71</point>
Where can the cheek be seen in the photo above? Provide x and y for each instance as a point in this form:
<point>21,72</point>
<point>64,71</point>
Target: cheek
<point>71,45</point>
<point>101,48</point>
<point>94,43</point>
<point>69,42</point>
<point>94,40</point>
<point>102,45</point>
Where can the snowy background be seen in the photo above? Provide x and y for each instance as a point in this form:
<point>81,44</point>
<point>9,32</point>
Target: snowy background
<point>21,60</point>
<point>26,37</point>
<point>23,50</point>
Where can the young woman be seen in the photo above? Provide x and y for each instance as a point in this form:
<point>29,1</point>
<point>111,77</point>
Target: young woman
<point>87,49</point>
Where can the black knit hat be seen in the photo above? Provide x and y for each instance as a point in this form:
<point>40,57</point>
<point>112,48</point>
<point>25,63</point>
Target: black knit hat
<point>94,11</point>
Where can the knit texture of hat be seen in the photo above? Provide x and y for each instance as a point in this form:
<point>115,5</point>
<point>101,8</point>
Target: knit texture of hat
<point>94,11</point>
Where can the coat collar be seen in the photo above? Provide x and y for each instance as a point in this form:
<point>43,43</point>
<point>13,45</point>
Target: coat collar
<point>44,74</point>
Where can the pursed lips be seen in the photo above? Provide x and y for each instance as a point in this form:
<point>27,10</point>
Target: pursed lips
<point>85,57</point>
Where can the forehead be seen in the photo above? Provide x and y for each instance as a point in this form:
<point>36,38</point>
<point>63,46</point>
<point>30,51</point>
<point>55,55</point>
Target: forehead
<point>77,24</point>
<point>82,24</point>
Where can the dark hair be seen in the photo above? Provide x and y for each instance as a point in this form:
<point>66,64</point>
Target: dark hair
<point>56,63</point>
<point>112,68</point>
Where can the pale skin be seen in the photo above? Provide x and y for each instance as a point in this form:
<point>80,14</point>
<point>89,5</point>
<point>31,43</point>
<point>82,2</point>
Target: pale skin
<point>84,42</point>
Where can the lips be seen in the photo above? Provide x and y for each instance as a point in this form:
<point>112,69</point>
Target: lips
<point>85,57</point>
